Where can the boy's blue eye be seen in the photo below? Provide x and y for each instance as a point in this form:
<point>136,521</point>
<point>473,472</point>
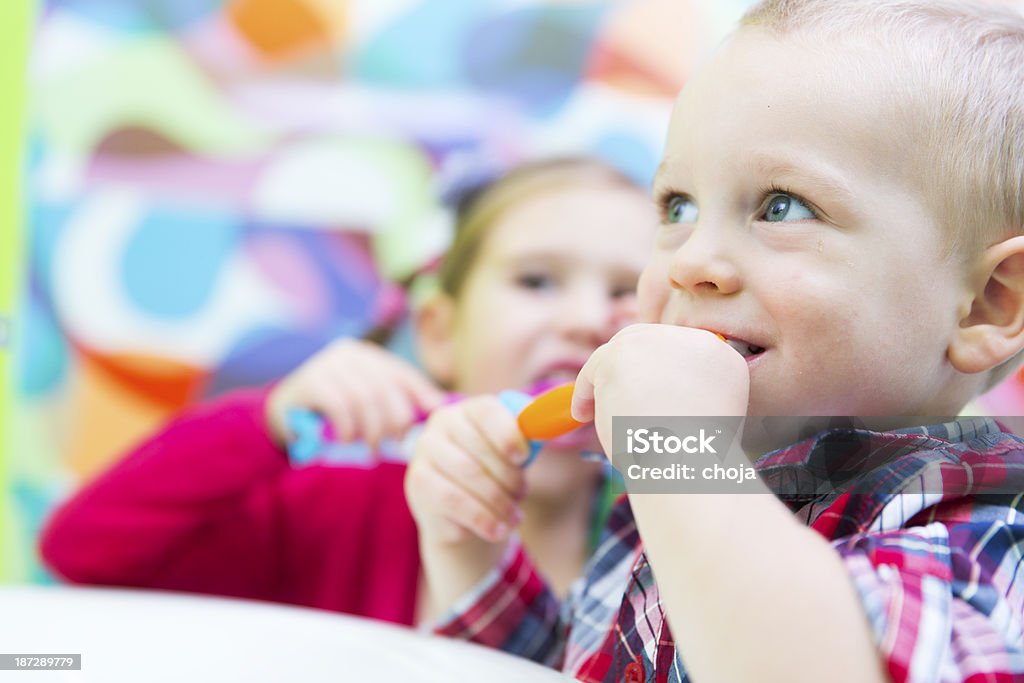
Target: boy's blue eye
<point>681,209</point>
<point>783,207</point>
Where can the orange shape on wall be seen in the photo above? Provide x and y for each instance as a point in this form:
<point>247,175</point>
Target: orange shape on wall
<point>623,70</point>
<point>629,56</point>
<point>117,399</point>
<point>281,29</point>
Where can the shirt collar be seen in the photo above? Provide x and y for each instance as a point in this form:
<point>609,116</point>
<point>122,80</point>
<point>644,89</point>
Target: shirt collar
<point>824,464</point>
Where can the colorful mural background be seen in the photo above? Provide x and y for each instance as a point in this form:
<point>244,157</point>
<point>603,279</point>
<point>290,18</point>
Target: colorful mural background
<point>219,187</point>
<point>216,188</point>
<point>16,17</point>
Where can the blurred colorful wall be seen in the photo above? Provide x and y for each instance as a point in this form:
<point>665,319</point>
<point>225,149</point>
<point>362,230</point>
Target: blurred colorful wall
<point>216,188</point>
<point>15,16</point>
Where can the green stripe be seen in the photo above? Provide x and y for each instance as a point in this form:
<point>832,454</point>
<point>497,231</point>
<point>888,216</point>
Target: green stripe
<point>612,486</point>
<point>15,17</point>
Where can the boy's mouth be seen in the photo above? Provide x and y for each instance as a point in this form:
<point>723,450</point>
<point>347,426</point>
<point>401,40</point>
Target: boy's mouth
<point>745,349</point>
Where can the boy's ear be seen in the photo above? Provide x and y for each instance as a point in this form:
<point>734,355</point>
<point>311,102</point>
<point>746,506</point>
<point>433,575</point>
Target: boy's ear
<point>993,330</point>
<point>435,340</point>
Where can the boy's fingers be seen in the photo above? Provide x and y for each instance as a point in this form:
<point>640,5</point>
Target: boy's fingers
<point>462,511</point>
<point>461,506</point>
<point>471,439</point>
<point>583,392</point>
<point>471,474</point>
<point>498,427</point>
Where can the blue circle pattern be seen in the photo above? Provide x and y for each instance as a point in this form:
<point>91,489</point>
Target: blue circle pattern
<point>140,15</point>
<point>630,154</point>
<point>534,56</point>
<point>416,51</point>
<point>172,260</point>
<point>42,352</point>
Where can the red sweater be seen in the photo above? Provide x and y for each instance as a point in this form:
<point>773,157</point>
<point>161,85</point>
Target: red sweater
<point>210,505</point>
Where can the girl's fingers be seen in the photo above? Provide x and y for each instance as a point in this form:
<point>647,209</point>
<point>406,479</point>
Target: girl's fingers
<point>396,410</point>
<point>410,379</point>
<point>277,419</point>
<point>419,388</point>
<point>364,414</point>
<point>365,392</point>
<point>324,397</point>
<point>390,391</point>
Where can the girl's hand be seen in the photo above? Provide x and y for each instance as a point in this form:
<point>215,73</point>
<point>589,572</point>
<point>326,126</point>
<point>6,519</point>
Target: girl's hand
<point>465,482</point>
<point>367,393</point>
<point>656,369</point>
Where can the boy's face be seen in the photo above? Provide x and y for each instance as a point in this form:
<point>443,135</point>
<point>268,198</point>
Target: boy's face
<point>791,223</point>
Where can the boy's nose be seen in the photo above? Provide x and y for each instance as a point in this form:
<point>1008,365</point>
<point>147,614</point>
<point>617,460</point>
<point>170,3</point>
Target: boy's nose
<point>704,265</point>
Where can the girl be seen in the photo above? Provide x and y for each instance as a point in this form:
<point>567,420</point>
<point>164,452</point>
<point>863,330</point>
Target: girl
<point>542,271</point>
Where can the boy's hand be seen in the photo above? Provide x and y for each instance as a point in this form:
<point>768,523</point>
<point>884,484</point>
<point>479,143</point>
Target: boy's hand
<point>464,485</point>
<point>465,481</point>
<point>655,369</point>
<point>365,392</point>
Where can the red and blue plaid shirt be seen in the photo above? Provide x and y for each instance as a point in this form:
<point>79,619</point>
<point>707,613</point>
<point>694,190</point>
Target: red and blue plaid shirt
<point>937,564</point>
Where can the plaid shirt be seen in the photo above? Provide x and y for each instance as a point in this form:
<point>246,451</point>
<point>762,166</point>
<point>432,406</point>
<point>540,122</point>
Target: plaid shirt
<point>935,563</point>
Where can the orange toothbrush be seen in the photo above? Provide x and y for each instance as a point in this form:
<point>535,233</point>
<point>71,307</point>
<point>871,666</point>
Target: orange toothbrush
<point>549,414</point>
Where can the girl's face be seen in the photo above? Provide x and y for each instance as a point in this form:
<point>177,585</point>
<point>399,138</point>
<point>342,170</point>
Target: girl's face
<point>554,279</point>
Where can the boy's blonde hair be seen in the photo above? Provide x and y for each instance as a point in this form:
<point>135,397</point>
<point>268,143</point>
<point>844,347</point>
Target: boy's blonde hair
<point>956,70</point>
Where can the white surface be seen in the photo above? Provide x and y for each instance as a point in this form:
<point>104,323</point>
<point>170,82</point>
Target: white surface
<point>134,636</point>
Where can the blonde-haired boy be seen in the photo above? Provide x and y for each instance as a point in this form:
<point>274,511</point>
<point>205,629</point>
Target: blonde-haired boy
<point>842,197</point>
